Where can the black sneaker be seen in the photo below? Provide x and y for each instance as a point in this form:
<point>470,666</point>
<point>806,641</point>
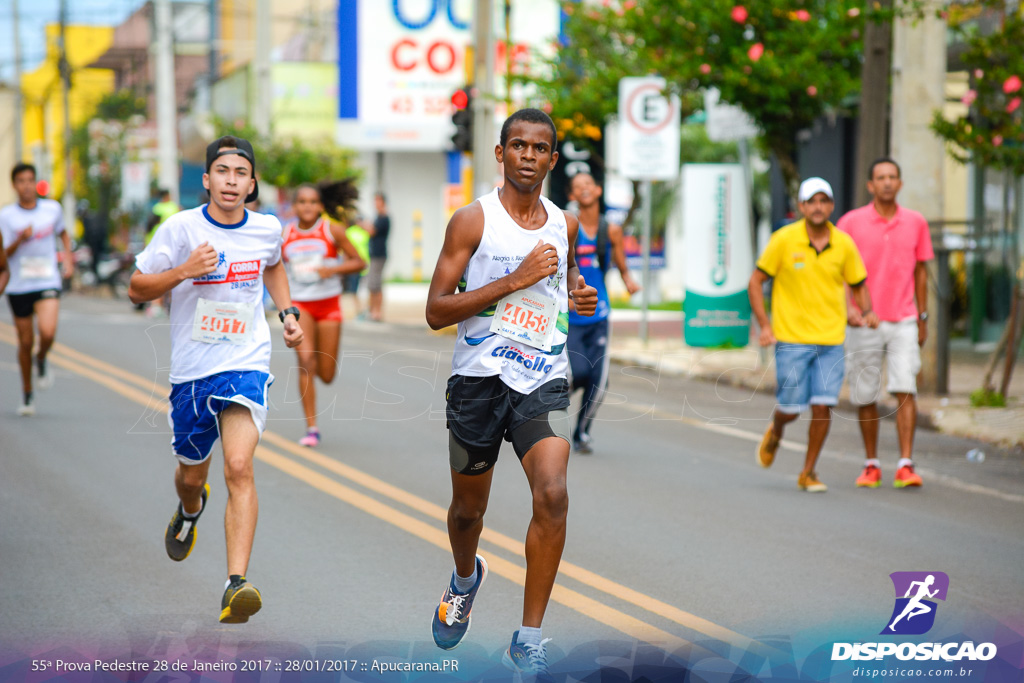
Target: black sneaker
<point>241,600</point>
<point>181,532</point>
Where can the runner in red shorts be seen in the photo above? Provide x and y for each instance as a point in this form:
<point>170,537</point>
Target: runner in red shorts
<point>316,254</point>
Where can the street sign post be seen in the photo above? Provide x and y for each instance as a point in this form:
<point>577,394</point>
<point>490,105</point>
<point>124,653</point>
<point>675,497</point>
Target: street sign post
<point>648,150</point>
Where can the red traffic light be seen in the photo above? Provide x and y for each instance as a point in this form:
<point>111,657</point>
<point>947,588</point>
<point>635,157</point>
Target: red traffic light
<point>460,99</point>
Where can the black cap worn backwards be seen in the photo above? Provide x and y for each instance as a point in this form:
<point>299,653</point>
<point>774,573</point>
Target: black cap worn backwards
<point>239,146</point>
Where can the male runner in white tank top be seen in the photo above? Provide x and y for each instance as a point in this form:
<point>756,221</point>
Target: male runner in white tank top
<point>504,275</point>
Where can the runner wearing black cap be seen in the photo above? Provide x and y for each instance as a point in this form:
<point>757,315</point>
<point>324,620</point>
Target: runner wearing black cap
<point>216,259</point>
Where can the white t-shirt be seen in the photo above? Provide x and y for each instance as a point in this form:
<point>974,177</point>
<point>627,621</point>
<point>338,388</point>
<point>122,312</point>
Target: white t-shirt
<point>481,352</point>
<point>34,263</point>
<point>217,320</point>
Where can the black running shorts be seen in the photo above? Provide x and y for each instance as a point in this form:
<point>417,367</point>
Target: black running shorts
<point>482,411</point>
<point>23,305</point>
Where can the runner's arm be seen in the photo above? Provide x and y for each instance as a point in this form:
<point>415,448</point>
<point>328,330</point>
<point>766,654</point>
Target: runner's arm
<point>353,262</point>
<point>755,293</point>
<point>582,297</point>
<point>276,280</point>
<point>863,299</point>
<point>5,269</point>
<point>145,287</point>
<point>69,258</point>
<point>619,257</point>
<point>23,236</point>
<point>446,306</point>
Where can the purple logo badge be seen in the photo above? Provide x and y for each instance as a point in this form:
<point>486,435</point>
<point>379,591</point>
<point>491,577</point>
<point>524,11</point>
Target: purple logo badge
<point>916,592</point>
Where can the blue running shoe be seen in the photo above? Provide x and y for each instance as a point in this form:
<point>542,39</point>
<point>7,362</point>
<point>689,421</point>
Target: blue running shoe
<point>529,661</point>
<point>452,617</point>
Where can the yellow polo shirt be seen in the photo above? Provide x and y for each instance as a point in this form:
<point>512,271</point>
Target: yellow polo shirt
<point>808,297</point>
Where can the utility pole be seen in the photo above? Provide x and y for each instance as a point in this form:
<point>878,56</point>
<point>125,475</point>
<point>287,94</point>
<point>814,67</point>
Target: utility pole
<point>874,101</point>
<point>484,165</point>
<point>19,108</point>
<point>166,114</point>
<point>261,64</point>
<point>65,77</point>
<point>918,89</point>
<point>211,53</point>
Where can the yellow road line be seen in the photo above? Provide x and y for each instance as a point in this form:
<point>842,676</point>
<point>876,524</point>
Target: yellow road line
<point>560,594</point>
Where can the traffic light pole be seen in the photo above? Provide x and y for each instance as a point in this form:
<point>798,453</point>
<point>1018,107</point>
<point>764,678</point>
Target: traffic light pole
<point>484,139</point>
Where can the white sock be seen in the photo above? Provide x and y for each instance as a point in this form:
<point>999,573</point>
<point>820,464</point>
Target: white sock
<point>529,635</point>
<point>904,462</point>
<point>464,584</point>
<point>872,461</point>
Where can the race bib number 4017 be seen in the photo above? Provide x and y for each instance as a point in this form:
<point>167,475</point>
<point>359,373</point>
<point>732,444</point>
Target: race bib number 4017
<point>220,322</point>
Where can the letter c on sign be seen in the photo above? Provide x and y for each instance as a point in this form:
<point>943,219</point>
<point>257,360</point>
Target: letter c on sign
<point>402,66</point>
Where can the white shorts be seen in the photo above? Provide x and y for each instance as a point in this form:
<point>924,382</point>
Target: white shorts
<point>896,343</point>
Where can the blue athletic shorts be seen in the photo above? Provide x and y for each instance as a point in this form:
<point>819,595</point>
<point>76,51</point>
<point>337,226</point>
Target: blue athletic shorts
<point>195,406</point>
<point>807,374</point>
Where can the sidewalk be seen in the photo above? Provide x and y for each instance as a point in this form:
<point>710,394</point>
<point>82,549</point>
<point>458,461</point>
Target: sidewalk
<point>752,368</point>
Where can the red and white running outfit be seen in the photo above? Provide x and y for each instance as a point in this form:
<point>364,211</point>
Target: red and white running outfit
<point>304,253</point>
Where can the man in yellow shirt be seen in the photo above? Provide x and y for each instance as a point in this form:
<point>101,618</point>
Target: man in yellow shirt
<point>811,263</point>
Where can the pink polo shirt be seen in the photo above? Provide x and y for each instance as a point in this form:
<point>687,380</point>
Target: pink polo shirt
<point>891,250</point>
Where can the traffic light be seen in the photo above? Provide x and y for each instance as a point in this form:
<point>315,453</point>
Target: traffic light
<point>462,117</point>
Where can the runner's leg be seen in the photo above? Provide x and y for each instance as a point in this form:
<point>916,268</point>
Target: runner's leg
<point>307,368</point>
<point>466,517</point>
<point>188,482</point>
<point>23,325</point>
<point>545,465</point>
<point>239,437</point>
<point>47,312</point>
<point>821,420</point>
<point>328,340</point>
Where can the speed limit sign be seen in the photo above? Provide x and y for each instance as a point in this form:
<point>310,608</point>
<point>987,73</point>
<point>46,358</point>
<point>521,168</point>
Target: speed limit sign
<point>648,130</point>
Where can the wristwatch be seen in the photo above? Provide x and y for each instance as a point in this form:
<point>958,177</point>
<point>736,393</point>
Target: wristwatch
<point>291,309</point>
<point>922,316</point>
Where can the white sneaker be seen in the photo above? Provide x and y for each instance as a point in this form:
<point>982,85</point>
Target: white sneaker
<point>45,376</point>
<point>26,410</point>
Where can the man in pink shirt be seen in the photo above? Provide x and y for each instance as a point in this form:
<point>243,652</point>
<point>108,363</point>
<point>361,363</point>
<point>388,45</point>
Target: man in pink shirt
<point>895,244</point>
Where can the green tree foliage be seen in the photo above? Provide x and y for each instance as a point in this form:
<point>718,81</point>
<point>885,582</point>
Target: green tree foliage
<point>100,145</point>
<point>992,132</point>
<point>290,162</point>
<point>786,62</point>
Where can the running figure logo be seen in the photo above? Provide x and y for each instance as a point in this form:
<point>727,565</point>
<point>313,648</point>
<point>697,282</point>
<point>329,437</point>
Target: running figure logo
<point>914,612</point>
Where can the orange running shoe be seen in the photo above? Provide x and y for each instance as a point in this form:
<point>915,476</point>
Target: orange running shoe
<point>906,476</point>
<point>871,477</point>
<point>810,483</point>
<point>769,445</point>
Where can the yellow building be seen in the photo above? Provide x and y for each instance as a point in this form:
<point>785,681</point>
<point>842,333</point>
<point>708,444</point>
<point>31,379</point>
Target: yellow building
<point>43,115</point>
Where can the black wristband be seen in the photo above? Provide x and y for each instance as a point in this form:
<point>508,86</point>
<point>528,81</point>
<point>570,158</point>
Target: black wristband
<point>291,309</point>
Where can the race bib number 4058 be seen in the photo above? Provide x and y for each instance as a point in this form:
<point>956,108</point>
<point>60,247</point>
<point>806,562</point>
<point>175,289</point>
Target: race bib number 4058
<point>220,322</point>
<point>526,316</point>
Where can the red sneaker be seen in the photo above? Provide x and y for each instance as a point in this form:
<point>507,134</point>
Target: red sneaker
<point>870,477</point>
<point>906,476</point>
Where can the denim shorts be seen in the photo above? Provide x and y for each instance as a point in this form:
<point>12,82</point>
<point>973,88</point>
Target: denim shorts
<point>807,374</point>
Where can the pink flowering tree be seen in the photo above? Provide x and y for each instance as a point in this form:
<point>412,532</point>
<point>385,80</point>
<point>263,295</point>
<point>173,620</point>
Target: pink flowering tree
<point>992,132</point>
<point>786,62</point>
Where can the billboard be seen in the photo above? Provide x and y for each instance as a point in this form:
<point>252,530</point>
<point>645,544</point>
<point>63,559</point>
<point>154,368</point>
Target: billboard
<point>399,63</point>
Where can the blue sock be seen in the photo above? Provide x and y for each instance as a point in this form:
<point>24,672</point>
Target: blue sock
<point>464,584</point>
<point>530,635</point>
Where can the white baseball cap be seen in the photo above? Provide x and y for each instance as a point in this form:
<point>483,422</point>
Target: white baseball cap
<point>813,186</point>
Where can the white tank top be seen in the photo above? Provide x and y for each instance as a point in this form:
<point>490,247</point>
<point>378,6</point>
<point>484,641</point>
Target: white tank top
<point>503,246</point>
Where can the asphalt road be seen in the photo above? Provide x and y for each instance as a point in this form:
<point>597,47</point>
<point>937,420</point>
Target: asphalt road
<point>675,535</point>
